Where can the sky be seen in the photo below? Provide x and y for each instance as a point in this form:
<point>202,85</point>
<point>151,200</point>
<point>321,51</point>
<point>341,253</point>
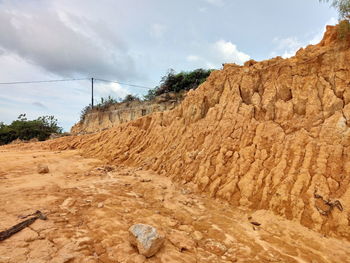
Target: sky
<point>136,42</point>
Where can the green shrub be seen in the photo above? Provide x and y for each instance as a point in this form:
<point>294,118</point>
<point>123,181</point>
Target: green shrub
<point>84,112</point>
<point>176,82</point>
<point>151,94</point>
<point>342,6</point>
<point>343,29</point>
<point>130,98</point>
<point>25,129</point>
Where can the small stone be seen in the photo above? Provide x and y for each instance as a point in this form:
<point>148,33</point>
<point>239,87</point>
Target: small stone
<point>67,203</point>
<point>100,205</point>
<point>215,247</point>
<point>197,235</point>
<point>146,238</point>
<point>144,180</point>
<point>43,169</point>
<point>172,223</point>
<point>229,154</point>
<point>185,191</point>
<point>186,228</point>
<point>27,235</point>
<point>83,241</point>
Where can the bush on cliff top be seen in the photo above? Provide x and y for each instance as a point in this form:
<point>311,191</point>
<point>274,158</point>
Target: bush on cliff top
<point>176,82</point>
<point>25,129</point>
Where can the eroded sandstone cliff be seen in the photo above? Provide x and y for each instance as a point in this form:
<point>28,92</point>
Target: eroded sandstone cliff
<point>100,119</point>
<point>267,135</point>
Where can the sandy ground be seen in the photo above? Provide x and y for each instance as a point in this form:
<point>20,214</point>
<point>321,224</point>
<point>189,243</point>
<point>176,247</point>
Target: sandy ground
<point>90,207</point>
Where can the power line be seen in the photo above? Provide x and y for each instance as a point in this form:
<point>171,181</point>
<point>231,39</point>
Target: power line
<point>75,79</point>
<point>62,80</point>
<point>40,81</point>
<point>121,83</point>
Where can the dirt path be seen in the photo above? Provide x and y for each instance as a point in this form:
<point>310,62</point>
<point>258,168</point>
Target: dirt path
<point>90,207</point>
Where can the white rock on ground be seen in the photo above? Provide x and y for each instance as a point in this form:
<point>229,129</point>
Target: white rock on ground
<point>146,238</point>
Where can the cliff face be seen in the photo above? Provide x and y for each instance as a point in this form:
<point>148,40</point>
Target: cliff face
<point>98,120</point>
<point>269,135</point>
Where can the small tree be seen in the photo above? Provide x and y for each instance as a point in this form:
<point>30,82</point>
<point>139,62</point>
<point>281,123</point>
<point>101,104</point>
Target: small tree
<point>151,94</point>
<point>130,97</point>
<point>87,109</point>
<point>343,7</point>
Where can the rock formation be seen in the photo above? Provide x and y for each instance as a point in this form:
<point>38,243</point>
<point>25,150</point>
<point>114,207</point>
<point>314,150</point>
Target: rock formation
<point>146,238</point>
<point>116,114</point>
<point>267,135</point>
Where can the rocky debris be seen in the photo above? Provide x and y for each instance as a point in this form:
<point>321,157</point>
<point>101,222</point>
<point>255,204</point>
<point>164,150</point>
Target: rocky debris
<point>181,240</point>
<point>105,168</point>
<point>146,238</point>
<point>43,169</point>
<point>93,234</point>
<point>215,247</point>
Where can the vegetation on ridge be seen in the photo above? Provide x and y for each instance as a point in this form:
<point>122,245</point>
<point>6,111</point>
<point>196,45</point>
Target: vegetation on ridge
<point>171,82</point>
<point>342,6</point>
<point>176,82</point>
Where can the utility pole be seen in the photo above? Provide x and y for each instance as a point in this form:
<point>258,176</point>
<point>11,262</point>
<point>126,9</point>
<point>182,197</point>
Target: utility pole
<point>92,93</point>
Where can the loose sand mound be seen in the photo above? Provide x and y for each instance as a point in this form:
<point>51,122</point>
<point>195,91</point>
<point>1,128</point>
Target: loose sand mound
<point>270,135</point>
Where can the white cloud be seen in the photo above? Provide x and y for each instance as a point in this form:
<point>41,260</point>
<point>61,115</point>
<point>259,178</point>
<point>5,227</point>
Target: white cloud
<point>215,2</point>
<point>64,100</point>
<point>114,90</point>
<point>228,52</point>
<point>287,47</point>
<point>215,54</point>
<point>318,36</point>
<point>63,43</point>
<point>192,58</point>
<point>158,30</point>
<point>203,9</point>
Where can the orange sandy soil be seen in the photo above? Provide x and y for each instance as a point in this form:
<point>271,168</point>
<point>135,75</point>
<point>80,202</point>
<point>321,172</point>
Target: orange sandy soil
<point>90,207</point>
